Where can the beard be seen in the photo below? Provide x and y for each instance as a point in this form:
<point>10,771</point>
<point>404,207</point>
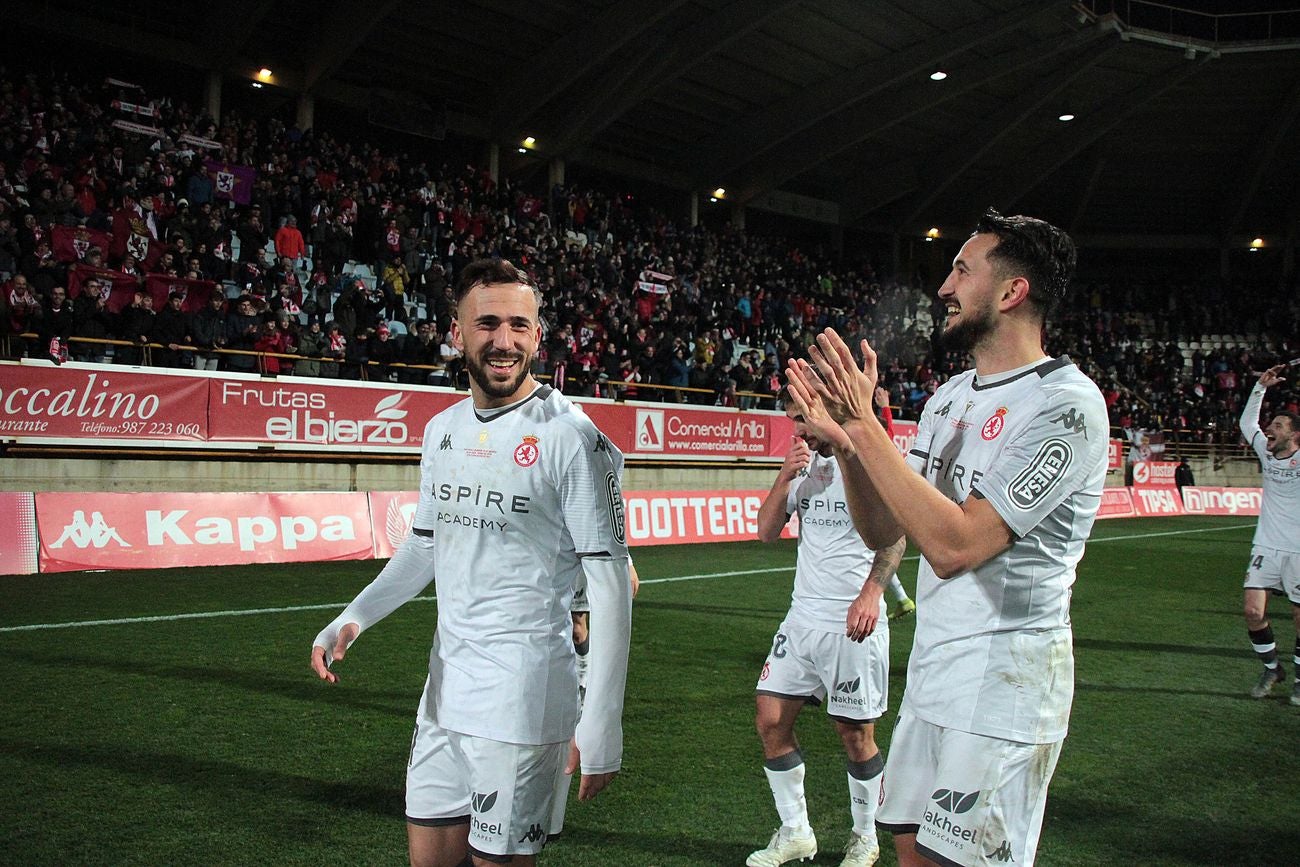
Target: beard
<point>968,333</point>
<point>481,372</point>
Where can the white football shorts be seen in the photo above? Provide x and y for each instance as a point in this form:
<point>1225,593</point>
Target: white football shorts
<point>1271,569</point>
<point>815,665</point>
<point>503,791</point>
<point>969,799</point>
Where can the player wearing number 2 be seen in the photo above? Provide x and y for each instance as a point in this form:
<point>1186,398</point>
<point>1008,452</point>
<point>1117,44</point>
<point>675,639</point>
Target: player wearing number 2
<point>1275,551</point>
<point>833,645</point>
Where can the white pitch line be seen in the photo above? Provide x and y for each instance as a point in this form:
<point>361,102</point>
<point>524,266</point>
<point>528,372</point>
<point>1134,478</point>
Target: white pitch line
<point>246,612</point>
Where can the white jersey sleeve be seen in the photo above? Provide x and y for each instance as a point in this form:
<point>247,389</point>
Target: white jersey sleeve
<point>1050,459</point>
<point>1249,422</point>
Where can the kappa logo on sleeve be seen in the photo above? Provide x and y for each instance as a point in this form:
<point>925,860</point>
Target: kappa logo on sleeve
<point>1036,481</point>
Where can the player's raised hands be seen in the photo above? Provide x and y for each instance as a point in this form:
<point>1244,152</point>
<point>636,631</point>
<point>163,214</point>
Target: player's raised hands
<point>846,389</point>
<point>1272,376</point>
<point>806,391</point>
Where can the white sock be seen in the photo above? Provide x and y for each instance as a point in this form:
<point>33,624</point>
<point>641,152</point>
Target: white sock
<point>896,588</point>
<point>864,793</point>
<point>785,776</point>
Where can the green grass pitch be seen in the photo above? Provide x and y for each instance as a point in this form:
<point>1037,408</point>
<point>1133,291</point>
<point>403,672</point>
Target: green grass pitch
<point>207,741</point>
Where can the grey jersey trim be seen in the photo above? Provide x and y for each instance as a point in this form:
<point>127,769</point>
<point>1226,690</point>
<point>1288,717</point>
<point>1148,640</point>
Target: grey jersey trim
<point>1050,366</point>
<point>542,392</point>
<point>420,531</point>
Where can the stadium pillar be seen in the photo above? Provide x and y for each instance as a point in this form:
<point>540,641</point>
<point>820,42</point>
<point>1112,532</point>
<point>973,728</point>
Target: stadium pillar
<point>306,111</point>
<point>493,160</point>
<point>693,208</point>
<point>555,173</point>
<point>738,215</point>
<point>214,95</point>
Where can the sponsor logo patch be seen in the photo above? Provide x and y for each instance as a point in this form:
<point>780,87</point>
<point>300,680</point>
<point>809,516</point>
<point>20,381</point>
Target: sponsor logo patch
<point>1036,481</point>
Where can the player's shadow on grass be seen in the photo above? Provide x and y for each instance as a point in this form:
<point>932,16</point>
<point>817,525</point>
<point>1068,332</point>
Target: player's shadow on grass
<point>722,610</point>
<point>225,780</point>
<point>305,688</point>
<point>1134,835</point>
<point>1154,647</point>
<point>657,847</point>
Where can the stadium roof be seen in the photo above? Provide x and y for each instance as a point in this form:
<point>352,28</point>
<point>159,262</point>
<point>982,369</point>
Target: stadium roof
<point>1185,123</point>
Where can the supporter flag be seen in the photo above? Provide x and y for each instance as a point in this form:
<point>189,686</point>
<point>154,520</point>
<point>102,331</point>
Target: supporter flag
<point>70,243</point>
<point>195,292</point>
<point>231,182</point>
<point>120,287</point>
<point>653,288</point>
<point>131,235</point>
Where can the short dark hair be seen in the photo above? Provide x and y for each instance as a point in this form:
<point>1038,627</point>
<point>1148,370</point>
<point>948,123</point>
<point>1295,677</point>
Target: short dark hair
<point>1292,417</point>
<point>492,272</point>
<point>1034,249</point>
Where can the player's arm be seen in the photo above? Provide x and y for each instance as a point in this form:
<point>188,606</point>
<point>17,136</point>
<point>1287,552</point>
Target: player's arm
<point>599,737</point>
<point>1249,422</point>
<point>592,502</point>
<point>408,572</point>
<point>864,611</point>
<point>775,513</point>
<point>953,538</point>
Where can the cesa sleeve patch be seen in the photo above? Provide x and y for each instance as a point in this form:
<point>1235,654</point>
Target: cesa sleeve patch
<point>1036,481</point>
<point>615,508</point>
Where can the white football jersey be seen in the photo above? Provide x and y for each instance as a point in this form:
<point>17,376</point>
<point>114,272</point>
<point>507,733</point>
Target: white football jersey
<point>993,653</point>
<point>514,498</point>
<point>1279,514</point>
<point>833,561</point>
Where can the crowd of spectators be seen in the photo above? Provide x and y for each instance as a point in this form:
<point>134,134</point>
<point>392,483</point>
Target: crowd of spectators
<point>339,261</point>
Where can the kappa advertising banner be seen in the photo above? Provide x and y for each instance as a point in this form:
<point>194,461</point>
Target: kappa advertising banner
<point>1201,500</point>
<point>668,431</point>
<point>1154,473</point>
<point>1116,503</point>
<point>153,531</point>
<point>293,411</point>
<point>1156,502</point>
<point>18,515</point>
<point>76,401</point>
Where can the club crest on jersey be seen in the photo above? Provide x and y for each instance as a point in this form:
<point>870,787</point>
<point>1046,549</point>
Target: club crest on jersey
<point>767,670</point>
<point>994,425</point>
<point>527,453</point>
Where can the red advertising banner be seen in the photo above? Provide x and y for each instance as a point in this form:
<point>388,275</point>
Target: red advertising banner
<point>1201,500</point>
<point>1114,454</point>
<point>1116,503</point>
<point>293,411</point>
<point>18,553</point>
<point>91,401</point>
<point>665,430</point>
<point>677,517</point>
<point>1156,502</point>
<point>1154,473</point>
<point>392,514</point>
<point>904,436</point>
<point>152,531</point>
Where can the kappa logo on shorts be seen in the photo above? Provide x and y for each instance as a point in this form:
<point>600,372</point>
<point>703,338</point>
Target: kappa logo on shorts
<point>953,801</point>
<point>1036,481</point>
<point>1001,853</point>
<point>483,803</point>
<point>534,834</point>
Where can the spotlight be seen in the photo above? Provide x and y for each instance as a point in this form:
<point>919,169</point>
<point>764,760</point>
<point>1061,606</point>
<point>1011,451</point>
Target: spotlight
<point>1065,116</point>
<point>938,75</point>
<point>719,193</point>
<point>522,150</point>
<point>529,141</point>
